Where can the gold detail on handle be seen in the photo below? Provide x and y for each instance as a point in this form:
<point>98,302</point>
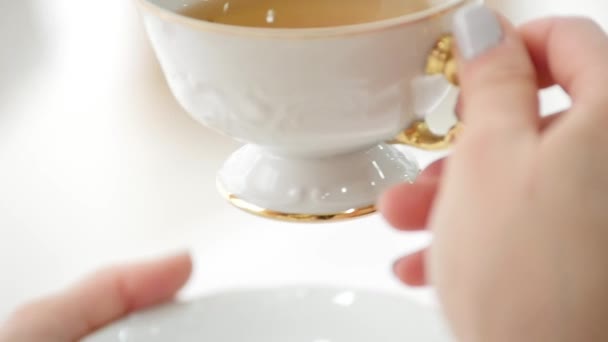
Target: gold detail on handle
<point>420,135</point>
<point>441,61</point>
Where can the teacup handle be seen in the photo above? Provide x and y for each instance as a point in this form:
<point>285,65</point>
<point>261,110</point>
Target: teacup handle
<point>441,61</point>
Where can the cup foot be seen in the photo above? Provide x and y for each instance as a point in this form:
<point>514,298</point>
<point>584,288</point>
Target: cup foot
<point>313,189</point>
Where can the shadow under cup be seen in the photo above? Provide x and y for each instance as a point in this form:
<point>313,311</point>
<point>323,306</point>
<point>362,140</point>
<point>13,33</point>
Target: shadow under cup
<point>314,106</point>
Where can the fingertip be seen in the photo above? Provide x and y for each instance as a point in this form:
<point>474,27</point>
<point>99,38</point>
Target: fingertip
<point>432,172</point>
<point>159,280</point>
<point>182,261</point>
<point>182,266</point>
<point>406,206</point>
<point>410,270</point>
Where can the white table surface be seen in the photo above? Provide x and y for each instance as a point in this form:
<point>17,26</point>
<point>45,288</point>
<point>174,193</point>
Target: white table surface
<point>98,164</point>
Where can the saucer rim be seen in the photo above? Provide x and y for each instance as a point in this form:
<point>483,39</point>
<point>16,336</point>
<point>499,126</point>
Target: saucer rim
<point>288,289</point>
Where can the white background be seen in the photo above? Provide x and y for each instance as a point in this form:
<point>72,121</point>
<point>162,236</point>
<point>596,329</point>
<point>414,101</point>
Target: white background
<point>98,164</point>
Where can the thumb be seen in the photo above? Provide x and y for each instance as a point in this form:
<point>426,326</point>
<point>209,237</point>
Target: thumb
<point>497,76</point>
<point>98,300</point>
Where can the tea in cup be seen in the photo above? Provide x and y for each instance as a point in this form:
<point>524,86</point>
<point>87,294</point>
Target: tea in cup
<point>300,14</point>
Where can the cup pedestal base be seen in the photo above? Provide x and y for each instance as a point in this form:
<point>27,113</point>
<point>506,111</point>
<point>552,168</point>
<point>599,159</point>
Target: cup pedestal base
<point>313,189</point>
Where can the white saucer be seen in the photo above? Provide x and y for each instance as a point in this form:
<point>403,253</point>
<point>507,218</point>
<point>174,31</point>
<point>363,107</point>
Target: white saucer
<point>283,315</point>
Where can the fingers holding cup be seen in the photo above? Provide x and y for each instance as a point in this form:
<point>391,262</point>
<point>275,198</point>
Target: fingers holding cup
<point>498,79</point>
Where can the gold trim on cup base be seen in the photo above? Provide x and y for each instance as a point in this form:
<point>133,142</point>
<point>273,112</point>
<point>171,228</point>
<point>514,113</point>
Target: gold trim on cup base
<point>292,217</point>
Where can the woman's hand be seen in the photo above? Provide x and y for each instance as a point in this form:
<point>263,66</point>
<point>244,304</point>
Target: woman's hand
<point>519,212</point>
<point>102,298</point>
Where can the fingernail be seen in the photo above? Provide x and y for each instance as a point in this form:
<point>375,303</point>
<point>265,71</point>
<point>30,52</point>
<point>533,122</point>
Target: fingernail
<point>477,30</point>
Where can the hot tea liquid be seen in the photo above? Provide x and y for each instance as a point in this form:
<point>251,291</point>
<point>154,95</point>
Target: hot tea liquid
<point>302,13</point>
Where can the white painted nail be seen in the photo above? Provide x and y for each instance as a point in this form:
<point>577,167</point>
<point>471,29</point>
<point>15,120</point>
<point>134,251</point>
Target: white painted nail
<point>477,30</point>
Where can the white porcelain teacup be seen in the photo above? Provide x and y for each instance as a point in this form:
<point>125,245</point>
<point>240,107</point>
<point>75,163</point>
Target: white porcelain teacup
<point>313,105</point>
